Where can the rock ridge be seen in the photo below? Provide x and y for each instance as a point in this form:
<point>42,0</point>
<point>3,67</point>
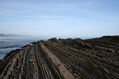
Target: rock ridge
<point>64,59</point>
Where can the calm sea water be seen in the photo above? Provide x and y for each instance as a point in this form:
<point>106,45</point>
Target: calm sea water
<point>8,44</point>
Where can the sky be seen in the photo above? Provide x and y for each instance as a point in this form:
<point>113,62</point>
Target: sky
<point>60,17</point>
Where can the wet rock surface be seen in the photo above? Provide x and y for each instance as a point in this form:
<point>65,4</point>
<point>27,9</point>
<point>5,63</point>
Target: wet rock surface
<point>64,59</point>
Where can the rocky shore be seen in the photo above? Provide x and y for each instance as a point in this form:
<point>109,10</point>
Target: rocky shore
<point>96,58</point>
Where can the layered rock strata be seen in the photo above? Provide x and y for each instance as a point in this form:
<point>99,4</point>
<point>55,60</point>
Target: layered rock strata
<point>64,59</point>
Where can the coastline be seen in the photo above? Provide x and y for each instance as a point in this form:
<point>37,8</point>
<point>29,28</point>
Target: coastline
<point>64,59</point>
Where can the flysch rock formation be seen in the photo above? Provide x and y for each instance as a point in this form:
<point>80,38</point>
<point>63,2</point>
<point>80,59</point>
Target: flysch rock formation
<point>64,59</point>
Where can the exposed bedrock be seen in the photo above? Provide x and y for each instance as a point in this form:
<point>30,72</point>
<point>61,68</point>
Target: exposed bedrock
<point>64,59</point>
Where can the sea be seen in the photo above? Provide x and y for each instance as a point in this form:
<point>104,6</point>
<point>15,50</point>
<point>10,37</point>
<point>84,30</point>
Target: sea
<point>8,44</point>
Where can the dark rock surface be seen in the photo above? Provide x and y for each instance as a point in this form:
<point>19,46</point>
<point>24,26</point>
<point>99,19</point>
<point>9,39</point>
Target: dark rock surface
<point>64,59</point>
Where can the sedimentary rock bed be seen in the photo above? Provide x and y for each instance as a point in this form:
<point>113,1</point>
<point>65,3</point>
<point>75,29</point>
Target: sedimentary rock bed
<point>64,59</point>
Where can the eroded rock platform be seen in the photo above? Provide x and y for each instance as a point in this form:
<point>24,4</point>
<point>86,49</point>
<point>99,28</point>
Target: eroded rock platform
<point>64,59</point>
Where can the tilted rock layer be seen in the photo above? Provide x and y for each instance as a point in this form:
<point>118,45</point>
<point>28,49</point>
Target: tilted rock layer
<point>64,59</point>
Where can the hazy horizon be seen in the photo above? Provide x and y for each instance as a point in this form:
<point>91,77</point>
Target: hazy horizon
<point>60,18</point>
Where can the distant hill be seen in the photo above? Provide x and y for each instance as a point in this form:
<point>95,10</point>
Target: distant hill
<point>2,34</point>
<point>10,35</point>
<point>23,36</point>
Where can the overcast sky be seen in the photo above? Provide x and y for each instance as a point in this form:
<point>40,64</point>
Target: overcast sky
<point>60,17</point>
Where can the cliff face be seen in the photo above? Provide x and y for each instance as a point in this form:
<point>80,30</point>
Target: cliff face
<point>64,59</point>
